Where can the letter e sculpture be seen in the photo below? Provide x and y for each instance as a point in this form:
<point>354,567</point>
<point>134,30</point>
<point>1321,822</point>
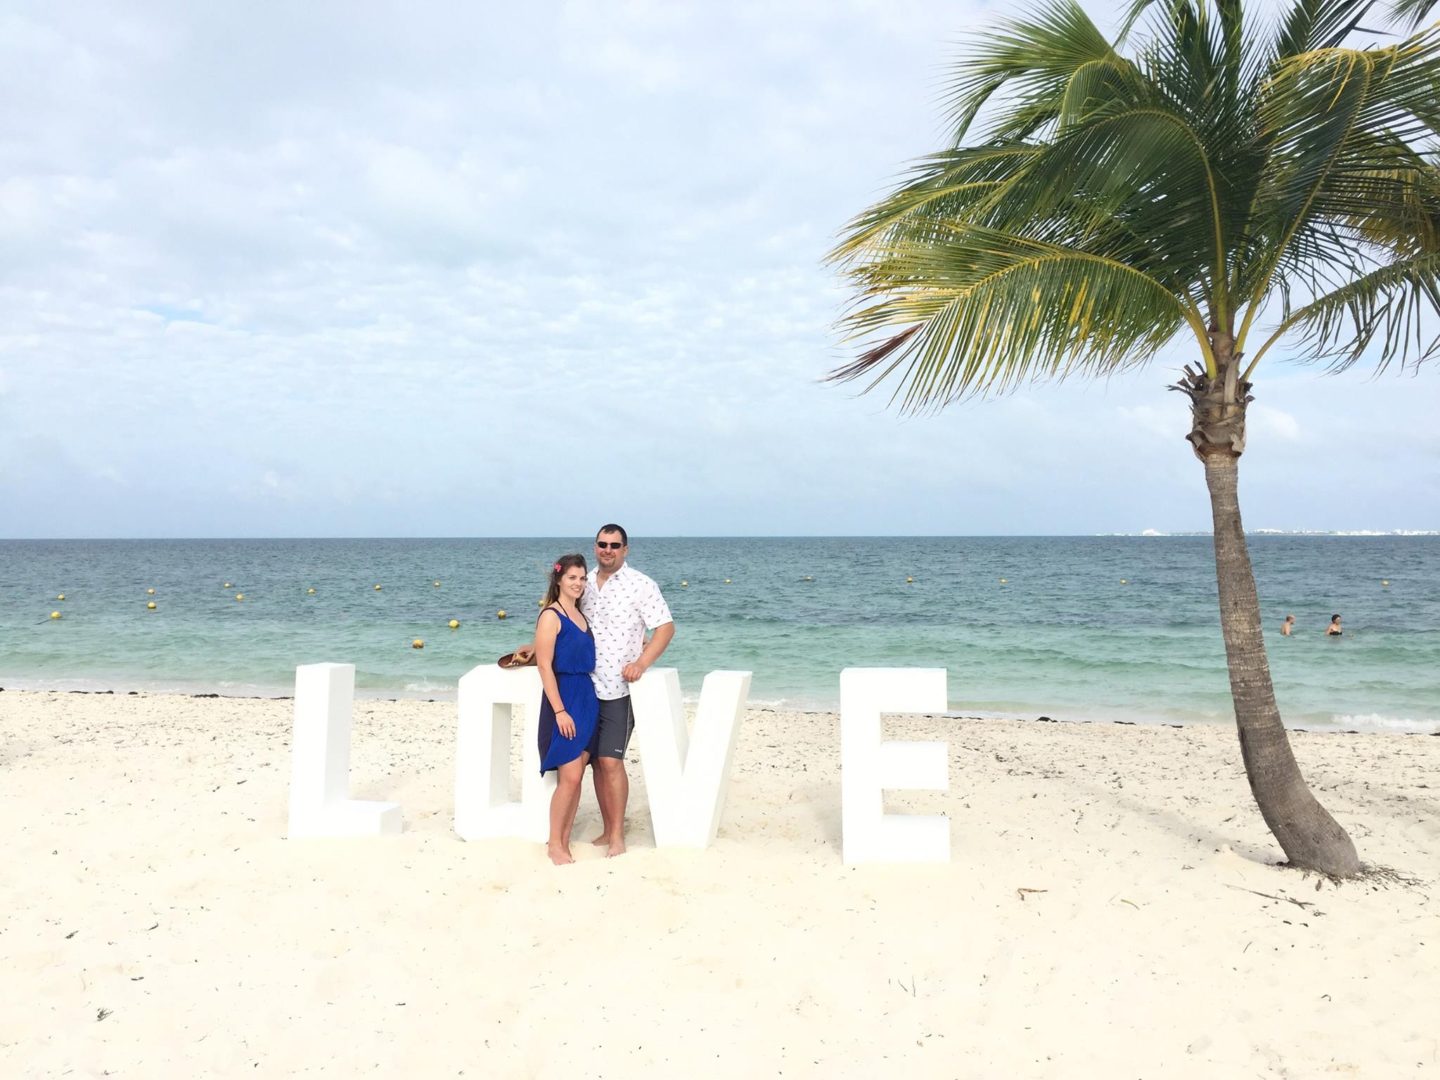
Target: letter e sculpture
<point>869,766</point>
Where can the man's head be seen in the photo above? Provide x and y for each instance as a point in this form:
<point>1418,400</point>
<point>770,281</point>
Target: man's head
<point>611,544</point>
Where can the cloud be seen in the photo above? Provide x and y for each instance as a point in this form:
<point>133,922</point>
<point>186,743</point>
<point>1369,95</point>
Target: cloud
<point>313,269</point>
<point>1161,423</point>
<point>1264,421</point>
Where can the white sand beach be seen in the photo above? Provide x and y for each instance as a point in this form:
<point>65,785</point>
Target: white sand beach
<point>1111,910</point>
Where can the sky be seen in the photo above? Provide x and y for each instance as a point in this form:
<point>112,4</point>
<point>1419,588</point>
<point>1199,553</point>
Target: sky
<point>362,269</point>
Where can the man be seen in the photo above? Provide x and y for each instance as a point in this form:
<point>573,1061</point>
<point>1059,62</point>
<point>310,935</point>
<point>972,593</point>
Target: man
<point>621,604</point>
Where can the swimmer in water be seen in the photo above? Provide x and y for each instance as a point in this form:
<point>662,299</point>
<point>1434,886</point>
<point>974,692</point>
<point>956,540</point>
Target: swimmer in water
<point>1333,630</point>
<point>1287,626</point>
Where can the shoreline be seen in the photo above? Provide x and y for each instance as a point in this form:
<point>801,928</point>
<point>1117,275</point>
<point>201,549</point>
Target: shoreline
<point>449,697</point>
<point>1112,906</point>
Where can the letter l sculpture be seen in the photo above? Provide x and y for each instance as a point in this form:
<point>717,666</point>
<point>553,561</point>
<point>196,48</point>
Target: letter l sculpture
<point>320,803</point>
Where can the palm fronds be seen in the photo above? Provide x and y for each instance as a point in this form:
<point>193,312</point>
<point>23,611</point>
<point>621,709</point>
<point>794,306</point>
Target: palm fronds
<point>1205,177</point>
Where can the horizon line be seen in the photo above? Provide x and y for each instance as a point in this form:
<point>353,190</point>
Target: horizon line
<point>1146,534</point>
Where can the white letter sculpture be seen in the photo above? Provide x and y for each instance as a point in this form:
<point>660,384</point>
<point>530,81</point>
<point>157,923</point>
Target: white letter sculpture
<point>868,766</point>
<point>320,803</point>
<point>687,779</point>
<point>483,808</point>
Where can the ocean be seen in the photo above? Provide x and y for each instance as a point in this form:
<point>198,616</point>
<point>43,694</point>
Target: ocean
<point>1075,628</point>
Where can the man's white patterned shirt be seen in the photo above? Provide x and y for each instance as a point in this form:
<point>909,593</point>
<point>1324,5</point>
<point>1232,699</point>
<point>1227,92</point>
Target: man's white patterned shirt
<point>619,614</point>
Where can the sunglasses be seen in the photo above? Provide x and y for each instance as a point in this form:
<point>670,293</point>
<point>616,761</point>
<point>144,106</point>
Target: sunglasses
<point>612,545</point>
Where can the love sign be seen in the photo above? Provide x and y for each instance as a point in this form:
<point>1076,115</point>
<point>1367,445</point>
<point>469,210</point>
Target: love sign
<point>686,771</point>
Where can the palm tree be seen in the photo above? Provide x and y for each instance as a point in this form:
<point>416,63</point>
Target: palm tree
<point>1210,181</point>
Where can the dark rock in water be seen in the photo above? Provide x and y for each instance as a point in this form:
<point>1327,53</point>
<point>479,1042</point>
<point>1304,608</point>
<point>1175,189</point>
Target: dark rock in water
<point>1044,720</point>
<point>134,693</point>
<point>204,695</point>
<point>105,691</point>
<point>1127,723</point>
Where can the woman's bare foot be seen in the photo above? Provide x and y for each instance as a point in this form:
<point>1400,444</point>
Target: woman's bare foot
<point>601,839</point>
<point>558,855</point>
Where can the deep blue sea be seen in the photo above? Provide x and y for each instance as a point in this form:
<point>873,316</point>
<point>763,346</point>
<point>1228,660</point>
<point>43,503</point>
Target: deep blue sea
<point>1097,628</point>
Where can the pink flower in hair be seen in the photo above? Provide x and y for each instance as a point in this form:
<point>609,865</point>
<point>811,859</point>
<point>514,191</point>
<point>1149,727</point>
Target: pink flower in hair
<point>557,568</point>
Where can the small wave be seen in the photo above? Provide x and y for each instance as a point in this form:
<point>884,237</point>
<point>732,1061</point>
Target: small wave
<point>177,687</point>
<point>790,704</point>
<point>1381,723</point>
<point>66,685</point>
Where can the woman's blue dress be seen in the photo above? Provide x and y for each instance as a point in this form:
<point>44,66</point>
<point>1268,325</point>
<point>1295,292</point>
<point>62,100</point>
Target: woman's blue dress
<point>574,661</point>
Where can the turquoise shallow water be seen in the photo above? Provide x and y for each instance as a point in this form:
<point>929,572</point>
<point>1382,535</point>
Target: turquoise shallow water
<point>1060,635</point>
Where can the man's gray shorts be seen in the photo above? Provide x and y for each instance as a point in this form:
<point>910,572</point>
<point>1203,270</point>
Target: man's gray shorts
<point>614,728</point>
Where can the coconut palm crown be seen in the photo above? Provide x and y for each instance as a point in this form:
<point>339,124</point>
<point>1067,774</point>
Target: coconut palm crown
<point>1205,181</point>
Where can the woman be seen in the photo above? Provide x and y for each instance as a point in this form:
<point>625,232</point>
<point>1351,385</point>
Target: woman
<point>1333,630</point>
<point>565,654</point>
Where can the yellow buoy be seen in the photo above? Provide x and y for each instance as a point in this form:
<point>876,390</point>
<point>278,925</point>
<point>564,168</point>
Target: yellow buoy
<point>151,605</point>
<point>377,588</point>
<point>909,581</point>
<point>60,597</point>
<point>454,624</point>
<point>501,613</point>
<point>1004,581</point>
<point>228,585</point>
<point>310,592</point>
<point>727,581</point>
<point>418,643</point>
<point>54,614</point>
<point>684,584</point>
<point>1124,582</point>
<point>809,578</point>
<point>239,596</point>
<point>1385,582</point>
<point>437,584</point>
<point>149,592</point>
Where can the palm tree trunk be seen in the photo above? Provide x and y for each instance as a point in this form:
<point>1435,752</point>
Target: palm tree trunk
<point>1308,835</point>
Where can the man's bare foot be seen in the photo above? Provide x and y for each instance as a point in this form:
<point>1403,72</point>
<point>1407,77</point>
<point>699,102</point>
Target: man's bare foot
<point>559,856</point>
<point>616,845</point>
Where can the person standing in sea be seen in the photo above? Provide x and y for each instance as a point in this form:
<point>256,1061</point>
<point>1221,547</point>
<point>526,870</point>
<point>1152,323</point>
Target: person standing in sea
<point>621,604</point>
<point>569,710</point>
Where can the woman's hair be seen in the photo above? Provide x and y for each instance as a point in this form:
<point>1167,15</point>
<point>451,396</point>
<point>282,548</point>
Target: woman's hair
<point>1334,617</point>
<point>563,563</point>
